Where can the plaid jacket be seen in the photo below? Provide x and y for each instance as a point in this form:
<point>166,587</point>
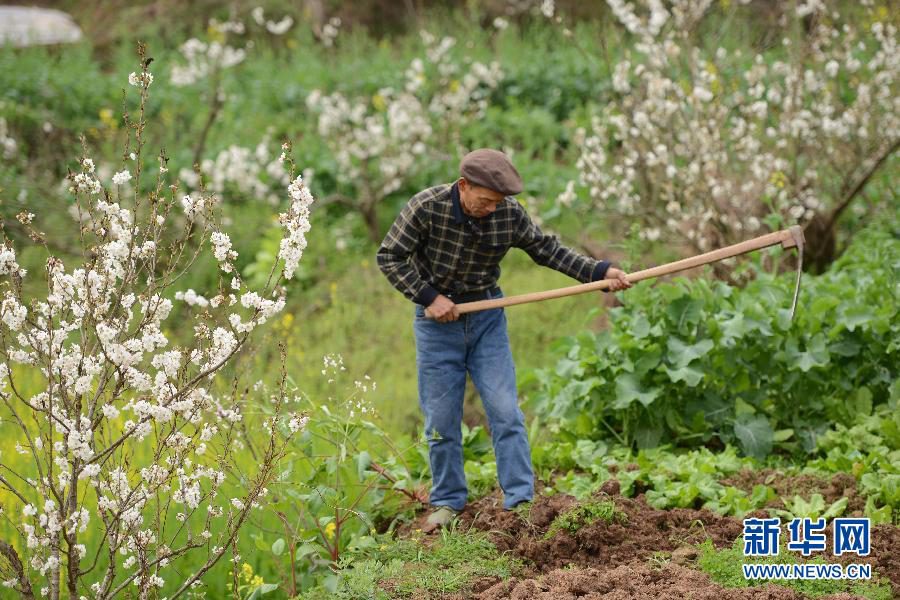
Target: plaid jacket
<point>434,248</point>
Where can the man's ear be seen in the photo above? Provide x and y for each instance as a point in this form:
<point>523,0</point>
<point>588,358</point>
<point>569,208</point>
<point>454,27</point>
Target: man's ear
<point>463,183</point>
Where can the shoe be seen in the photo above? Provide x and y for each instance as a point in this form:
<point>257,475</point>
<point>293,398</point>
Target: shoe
<point>440,517</point>
<point>521,506</point>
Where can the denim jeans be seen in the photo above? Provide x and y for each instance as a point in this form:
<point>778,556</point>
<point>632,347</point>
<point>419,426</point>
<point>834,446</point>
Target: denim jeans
<point>478,345</point>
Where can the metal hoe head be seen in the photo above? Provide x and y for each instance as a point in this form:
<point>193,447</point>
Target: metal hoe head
<point>797,240</point>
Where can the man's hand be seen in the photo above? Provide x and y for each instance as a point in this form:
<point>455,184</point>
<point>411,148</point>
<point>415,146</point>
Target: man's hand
<point>442,310</point>
<point>620,279</point>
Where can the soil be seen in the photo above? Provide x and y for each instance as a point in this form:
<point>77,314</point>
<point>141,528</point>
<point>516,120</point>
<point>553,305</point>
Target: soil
<point>651,555</point>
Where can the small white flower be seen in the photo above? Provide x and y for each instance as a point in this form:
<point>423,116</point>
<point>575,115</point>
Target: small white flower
<point>140,79</point>
<point>122,177</point>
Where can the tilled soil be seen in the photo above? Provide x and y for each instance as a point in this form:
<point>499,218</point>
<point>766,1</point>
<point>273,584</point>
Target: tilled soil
<point>599,545</point>
<point>647,556</point>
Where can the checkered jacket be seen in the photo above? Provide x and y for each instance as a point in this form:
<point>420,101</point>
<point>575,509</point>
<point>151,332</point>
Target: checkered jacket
<point>434,248</point>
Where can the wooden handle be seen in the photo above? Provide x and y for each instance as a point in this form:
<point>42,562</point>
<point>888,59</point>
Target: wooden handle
<point>788,238</point>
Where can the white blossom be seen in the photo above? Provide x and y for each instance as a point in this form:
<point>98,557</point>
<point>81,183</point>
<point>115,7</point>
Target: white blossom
<point>121,178</point>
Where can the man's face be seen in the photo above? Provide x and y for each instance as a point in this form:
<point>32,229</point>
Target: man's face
<point>478,201</point>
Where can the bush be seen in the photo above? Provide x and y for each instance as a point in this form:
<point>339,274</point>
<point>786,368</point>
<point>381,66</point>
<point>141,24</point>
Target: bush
<point>693,361</point>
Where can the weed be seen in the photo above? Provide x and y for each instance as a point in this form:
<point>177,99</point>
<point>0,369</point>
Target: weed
<point>724,567</point>
<point>584,514</point>
<point>406,567</point>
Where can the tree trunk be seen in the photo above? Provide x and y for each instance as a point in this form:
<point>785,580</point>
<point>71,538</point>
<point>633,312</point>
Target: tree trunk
<point>821,244</point>
<point>370,216</point>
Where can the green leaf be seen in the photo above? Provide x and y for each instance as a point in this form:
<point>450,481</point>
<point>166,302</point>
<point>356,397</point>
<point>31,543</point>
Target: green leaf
<point>734,328</point>
<point>689,375</point>
<point>260,543</point>
<point>363,460</point>
<point>330,582</point>
<point>862,401</point>
<point>640,327</point>
<point>743,408</point>
<point>782,435</point>
<point>856,315</point>
<point>648,437</point>
<point>846,348</point>
<point>755,435</point>
<point>681,354</point>
<point>307,549</point>
<point>278,547</point>
<point>648,360</point>
<point>628,389</point>
<point>879,516</point>
<point>836,509</point>
<point>684,311</point>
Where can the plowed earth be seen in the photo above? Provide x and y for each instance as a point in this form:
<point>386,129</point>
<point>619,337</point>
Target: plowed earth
<point>649,556</point>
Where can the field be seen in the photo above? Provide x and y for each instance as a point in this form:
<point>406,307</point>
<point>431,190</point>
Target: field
<point>209,387</point>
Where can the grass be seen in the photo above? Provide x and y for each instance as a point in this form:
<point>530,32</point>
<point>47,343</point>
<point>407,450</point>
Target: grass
<point>585,514</point>
<point>406,567</point>
<point>724,567</point>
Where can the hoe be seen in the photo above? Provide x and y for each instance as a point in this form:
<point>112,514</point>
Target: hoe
<point>788,238</point>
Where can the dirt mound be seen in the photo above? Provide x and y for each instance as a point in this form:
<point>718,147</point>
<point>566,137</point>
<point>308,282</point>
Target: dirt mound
<point>601,545</point>
<point>642,556</point>
<point>646,533</point>
<point>632,582</point>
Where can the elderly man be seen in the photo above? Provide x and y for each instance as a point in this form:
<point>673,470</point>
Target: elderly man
<point>445,249</point>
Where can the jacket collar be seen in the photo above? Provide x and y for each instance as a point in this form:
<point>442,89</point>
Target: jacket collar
<point>458,216</point>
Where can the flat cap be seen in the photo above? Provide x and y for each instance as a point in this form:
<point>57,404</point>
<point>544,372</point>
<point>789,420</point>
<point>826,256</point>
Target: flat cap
<point>491,169</point>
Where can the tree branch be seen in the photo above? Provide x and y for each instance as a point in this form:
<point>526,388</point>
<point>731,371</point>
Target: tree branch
<point>13,557</point>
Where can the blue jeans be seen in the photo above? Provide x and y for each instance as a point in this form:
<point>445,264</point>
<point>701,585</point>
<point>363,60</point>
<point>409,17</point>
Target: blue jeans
<point>476,344</point>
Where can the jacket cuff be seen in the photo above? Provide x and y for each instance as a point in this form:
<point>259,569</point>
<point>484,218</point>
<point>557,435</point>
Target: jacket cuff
<point>600,270</point>
<point>426,296</point>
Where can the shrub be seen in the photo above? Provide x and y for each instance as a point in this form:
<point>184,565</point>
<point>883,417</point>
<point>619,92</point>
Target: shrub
<point>694,361</point>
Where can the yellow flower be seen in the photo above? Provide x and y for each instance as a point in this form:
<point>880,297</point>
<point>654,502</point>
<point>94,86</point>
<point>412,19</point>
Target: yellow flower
<point>287,320</point>
<point>215,34</point>
<point>454,85</point>
<point>379,102</point>
<point>246,572</point>
<point>778,179</point>
<point>329,530</point>
<point>107,118</point>
<point>257,581</point>
<point>292,43</point>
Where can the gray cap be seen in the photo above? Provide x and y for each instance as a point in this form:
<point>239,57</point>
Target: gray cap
<point>491,169</point>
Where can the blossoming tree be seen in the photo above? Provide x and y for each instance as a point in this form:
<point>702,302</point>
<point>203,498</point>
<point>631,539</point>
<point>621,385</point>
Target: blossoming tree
<point>127,457</point>
<point>711,145</point>
<point>379,142</point>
